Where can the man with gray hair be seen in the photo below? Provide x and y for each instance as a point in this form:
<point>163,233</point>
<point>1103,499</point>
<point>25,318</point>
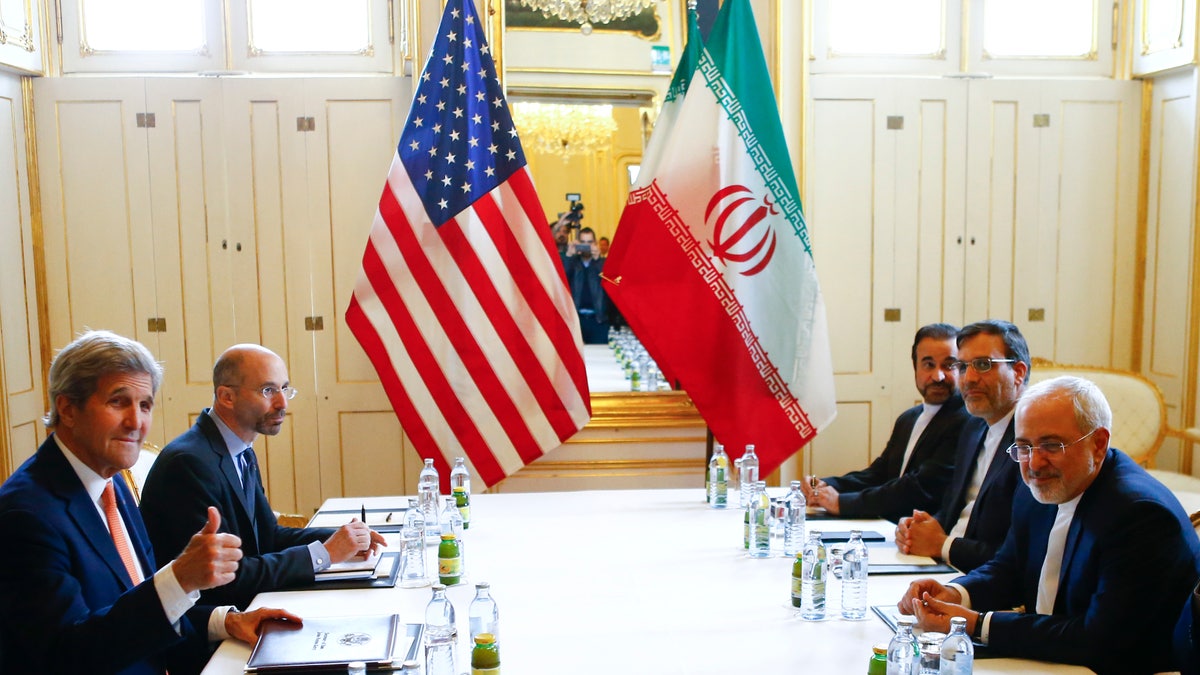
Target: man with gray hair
<point>79,587</point>
<point>1101,556</point>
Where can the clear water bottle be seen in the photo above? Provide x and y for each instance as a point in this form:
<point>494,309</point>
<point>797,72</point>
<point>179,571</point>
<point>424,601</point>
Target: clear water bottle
<point>902,654</point>
<point>793,520</point>
<point>958,654</point>
<point>441,634</point>
<point>450,521</point>
<point>484,615</point>
<point>758,522</point>
<point>812,578</point>
<point>412,572</point>
<point>736,486</point>
<point>749,473</point>
<point>718,478</point>
<point>854,578</point>
<point>930,659</point>
<point>460,489</point>
<point>429,493</point>
<point>459,476</point>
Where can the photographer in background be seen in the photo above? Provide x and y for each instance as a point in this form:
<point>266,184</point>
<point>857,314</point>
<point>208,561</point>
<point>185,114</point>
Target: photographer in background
<point>583,269</point>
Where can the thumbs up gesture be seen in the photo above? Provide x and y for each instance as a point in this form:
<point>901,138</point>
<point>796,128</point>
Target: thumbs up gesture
<point>211,557</point>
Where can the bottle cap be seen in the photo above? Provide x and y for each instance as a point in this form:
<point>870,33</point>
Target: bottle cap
<point>448,537</point>
<point>483,584</point>
<point>880,648</point>
<point>485,639</point>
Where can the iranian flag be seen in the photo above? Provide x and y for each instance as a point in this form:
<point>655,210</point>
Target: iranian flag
<point>712,264</point>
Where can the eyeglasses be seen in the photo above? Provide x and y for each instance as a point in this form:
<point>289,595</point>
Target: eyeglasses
<point>981,364</point>
<point>269,392</point>
<point>1023,451</point>
<point>930,366</point>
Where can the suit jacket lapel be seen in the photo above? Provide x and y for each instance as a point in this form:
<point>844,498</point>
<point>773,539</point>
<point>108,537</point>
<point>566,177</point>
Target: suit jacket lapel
<point>65,484</point>
<point>1000,460</point>
<point>905,424</point>
<point>964,473</point>
<point>216,443</point>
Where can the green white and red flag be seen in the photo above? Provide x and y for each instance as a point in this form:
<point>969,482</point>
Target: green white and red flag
<point>712,263</point>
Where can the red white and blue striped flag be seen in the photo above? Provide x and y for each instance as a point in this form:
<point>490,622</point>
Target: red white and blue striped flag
<point>461,304</point>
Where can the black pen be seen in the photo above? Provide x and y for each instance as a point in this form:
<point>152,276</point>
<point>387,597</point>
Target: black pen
<point>364,513</point>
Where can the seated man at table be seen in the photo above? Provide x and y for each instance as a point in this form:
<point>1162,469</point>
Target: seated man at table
<point>969,527</point>
<point>78,588</point>
<point>1100,556</point>
<point>214,463</point>
<point>915,467</point>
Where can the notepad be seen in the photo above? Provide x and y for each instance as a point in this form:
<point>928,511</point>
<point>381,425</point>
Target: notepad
<point>333,643</point>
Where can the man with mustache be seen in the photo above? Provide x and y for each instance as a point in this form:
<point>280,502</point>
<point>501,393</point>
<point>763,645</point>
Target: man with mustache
<point>213,463</point>
<point>1100,555</point>
<point>915,467</point>
<point>80,589</point>
<point>993,367</point>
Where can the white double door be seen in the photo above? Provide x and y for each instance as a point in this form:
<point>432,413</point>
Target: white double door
<point>239,216</point>
<point>934,199</point>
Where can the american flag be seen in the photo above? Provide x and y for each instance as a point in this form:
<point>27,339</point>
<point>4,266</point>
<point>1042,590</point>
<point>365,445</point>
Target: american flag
<point>461,304</point>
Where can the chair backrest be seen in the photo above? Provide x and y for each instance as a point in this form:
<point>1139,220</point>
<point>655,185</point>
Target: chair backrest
<point>1139,412</point>
<point>135,476</point>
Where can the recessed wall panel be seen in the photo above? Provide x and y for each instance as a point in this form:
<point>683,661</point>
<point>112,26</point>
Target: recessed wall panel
<point>100,227</point>
<point>371,461</point>
<point>191,225</point>
<point>841,224</point>
<point>1170,274</point>
<point>361,146</point>
<point>1087,232</point>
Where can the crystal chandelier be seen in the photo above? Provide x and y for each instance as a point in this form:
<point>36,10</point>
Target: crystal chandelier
<point>588,12</point>
<point>564,130</point>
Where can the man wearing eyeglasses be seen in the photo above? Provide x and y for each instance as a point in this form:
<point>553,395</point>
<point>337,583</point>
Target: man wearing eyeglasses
<point>974,516</point>
<point>213,464</point>
<point>915,467</point>
<point>1100,555</point>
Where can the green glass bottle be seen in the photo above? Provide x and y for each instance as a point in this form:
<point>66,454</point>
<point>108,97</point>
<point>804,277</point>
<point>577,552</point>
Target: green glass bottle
<point>798,580</point>
<point>485,655</point>
<point>463,501</point>
<point>878,663</point>
<point>449,560</point>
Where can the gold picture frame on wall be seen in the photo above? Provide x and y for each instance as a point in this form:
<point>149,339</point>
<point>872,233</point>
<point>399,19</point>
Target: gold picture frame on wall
<point>646,24</point>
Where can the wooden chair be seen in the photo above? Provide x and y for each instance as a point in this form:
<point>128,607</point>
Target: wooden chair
<point>135,476</point>
<point>1139,412</point>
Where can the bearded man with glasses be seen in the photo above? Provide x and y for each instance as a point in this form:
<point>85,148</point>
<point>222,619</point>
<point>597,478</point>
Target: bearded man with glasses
<point>1100,555</point>
<point>993,366</point>
<point>214,464</point>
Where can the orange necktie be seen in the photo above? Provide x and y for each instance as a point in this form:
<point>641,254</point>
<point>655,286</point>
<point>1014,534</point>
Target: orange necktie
<point>120,538</point>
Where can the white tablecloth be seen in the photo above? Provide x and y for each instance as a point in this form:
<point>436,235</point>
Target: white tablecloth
<point>648,581</point>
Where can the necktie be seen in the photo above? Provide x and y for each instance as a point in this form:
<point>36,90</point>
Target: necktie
<point>1052,566</point>
<point>120,539</point>
<point>248,467</point>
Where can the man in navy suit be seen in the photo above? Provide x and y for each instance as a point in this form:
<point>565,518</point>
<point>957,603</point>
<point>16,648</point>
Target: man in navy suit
<point>214,463</point>
<point>72,595</point>
<point>992,370</point>
<point>916,465</point>
<point>1100,557</point>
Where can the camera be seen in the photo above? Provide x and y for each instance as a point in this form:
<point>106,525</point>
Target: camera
<point>576,213</point>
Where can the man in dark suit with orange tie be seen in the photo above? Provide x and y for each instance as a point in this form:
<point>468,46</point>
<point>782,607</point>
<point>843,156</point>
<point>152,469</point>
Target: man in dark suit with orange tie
<point>79,587</point>
<point>214,463</point>
<point>973,519</point>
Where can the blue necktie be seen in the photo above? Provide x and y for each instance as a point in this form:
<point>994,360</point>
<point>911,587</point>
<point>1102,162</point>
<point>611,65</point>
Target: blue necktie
<point>248,467</point>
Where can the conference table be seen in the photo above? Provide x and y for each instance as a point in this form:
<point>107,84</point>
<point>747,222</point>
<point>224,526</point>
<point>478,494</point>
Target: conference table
<point>624,581</point>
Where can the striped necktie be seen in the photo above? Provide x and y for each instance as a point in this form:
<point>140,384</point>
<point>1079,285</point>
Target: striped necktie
<point>120,538</point>
<point>247,466</point>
